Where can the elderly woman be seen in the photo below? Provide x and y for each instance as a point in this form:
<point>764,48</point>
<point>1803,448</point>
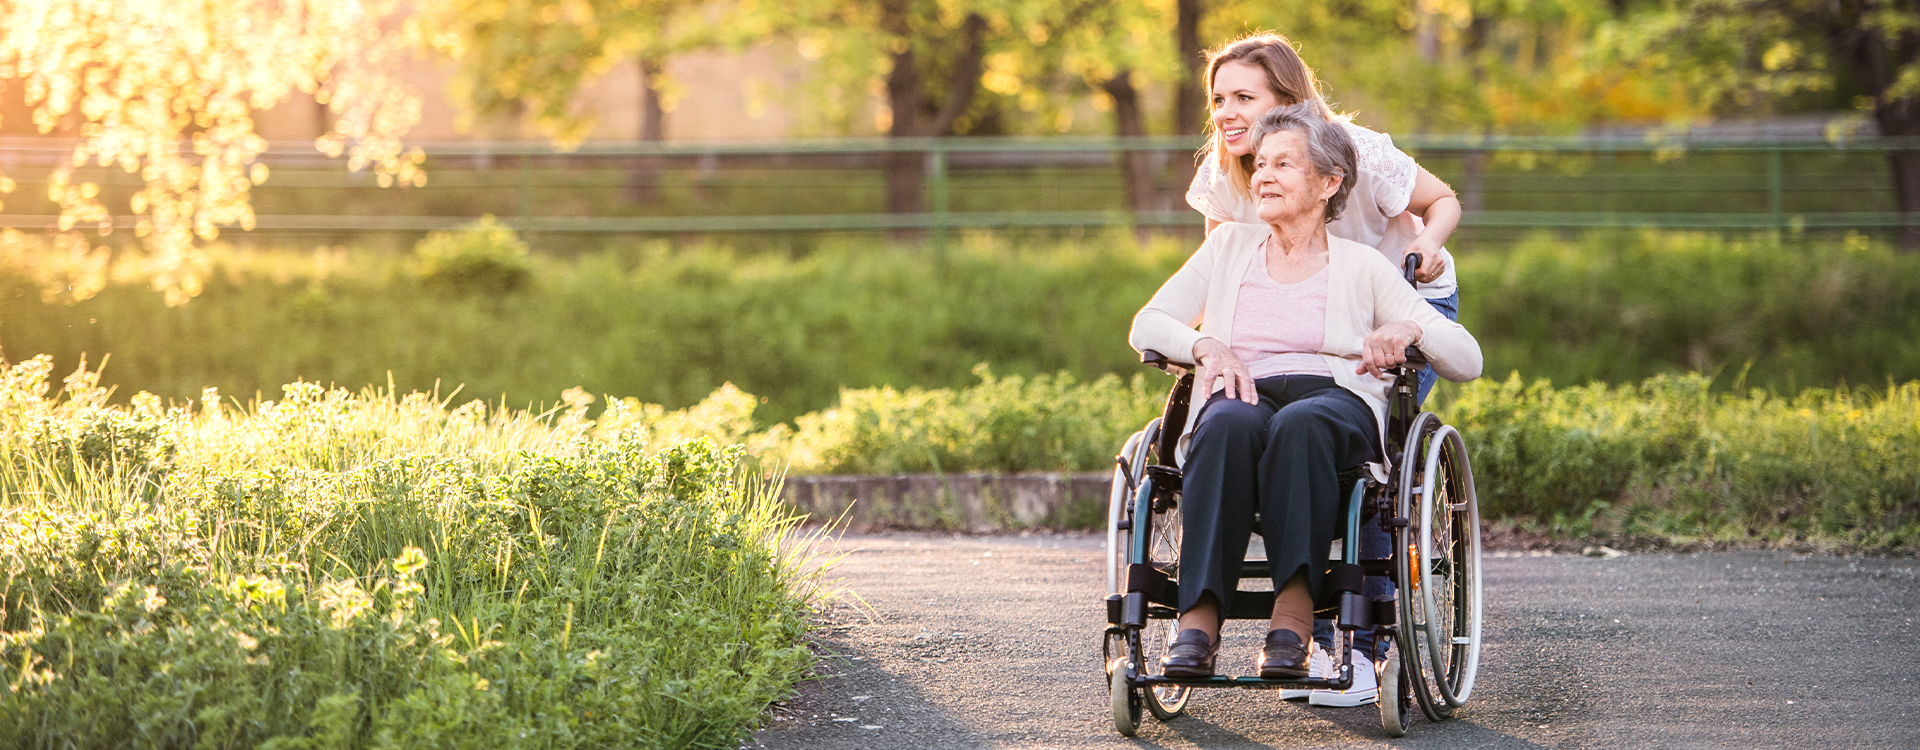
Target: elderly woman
<point>1296,329</point>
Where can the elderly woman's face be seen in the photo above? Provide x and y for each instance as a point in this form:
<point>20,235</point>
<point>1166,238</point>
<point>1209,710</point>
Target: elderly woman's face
<point>1240,95</point>
<point>1285,185</point>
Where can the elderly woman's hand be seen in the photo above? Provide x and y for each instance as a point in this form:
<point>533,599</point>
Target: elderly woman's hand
<point>1217,362</point>
<point>1387,346</point>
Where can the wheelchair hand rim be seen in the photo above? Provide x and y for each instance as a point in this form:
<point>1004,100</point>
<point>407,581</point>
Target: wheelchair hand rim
<point>1464,667</point>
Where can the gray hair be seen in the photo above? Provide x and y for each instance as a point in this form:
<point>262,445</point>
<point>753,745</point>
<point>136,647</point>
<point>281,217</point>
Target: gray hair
<point>1329,148</point>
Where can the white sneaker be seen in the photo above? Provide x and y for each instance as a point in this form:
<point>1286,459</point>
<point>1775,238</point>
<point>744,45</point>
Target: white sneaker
<point>1319,667</point>
<point>1365,690</point>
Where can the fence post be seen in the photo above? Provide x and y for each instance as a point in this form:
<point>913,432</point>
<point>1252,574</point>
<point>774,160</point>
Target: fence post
<point>1775,186</point>
<point>937,174</point>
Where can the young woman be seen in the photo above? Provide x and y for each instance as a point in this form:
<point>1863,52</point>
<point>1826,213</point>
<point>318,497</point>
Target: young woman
<point>1396,207</point>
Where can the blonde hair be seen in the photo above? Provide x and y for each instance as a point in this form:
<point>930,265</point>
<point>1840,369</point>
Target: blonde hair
<point>1288,77</point>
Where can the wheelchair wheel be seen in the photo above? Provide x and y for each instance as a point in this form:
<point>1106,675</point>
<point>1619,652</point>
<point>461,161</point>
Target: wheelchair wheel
<point>1142,649</point>
<point>1126,702</point>
<point>1439,568</point>
<point>1396,706</point>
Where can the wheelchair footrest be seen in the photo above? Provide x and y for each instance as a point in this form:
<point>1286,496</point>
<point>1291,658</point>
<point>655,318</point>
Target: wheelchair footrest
<point>1222,681</point>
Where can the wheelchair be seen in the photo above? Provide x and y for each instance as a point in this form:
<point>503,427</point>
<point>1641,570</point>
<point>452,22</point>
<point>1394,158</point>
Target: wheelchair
<point>1429,629</point>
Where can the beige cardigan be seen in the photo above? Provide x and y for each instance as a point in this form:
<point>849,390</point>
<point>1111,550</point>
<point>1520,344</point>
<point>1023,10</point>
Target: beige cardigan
<point>1363,293</point>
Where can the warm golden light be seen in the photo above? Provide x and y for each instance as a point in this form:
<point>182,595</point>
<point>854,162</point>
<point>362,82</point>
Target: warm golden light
<point>168,90</point>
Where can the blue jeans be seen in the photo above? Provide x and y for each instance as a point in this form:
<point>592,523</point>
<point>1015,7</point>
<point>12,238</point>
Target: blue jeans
<point>1375,542</point>
<point>1450,307</point>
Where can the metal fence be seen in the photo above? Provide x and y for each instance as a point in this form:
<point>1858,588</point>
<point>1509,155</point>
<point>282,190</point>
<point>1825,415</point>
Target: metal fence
<point>800,186</point>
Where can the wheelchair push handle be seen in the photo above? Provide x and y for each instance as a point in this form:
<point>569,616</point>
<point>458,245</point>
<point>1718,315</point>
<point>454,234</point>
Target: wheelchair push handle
<point>1409,264</point>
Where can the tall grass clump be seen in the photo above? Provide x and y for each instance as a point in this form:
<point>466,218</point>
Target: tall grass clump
<point>347,570</point>
<point>1670,459</point>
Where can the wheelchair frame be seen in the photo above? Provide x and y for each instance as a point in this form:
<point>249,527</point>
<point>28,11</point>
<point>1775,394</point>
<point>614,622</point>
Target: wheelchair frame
<point>1428,506</point>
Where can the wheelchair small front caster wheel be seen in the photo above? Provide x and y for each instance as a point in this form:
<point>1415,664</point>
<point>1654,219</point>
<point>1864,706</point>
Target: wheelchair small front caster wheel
<point>1126,703</point>
<point>1394,711</point>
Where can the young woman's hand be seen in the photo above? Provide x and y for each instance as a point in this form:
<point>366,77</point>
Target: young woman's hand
<point>1217,362</point>
<point>1432,261</point>
<point>1387,346</point>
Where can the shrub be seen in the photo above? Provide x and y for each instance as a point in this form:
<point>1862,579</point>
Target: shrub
<point>341,570</point>
<point>1006,423</point>
<point>1669,459</point>
<point>488,258</point>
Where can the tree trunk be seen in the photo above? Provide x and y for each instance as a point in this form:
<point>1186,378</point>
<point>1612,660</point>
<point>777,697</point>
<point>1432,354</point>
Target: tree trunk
<point>1906,173</point>
<point>1876,62</point>
<point>1189,99</point>
<point>1189,102</point>
<point>1136,171</point>
<point>1473,196</point>
<point>907,98</point>
<point>906,170</point>
<point>643,183</point>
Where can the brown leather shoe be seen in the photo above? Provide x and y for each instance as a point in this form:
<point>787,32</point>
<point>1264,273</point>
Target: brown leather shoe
<point>1190,655</point>
<point>1284,658</point>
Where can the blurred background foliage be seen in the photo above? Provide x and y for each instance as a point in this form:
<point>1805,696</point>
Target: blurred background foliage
<point>904,68</point>
<point>795,323</point>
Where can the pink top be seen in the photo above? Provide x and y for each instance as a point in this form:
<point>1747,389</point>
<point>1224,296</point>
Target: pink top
<point>1279,329</point>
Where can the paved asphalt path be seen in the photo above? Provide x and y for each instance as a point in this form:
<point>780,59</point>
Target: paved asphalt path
<point>950,642</point>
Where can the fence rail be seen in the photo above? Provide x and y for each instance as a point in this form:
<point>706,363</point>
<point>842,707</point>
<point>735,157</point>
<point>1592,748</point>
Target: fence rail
<point>1509,182</point>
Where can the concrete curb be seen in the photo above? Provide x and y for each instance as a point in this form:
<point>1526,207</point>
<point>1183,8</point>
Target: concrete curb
<point>953,502</point>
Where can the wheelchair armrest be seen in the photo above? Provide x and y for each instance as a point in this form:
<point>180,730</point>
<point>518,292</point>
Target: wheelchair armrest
<point>1162,361</point>
<point>1416,358</point>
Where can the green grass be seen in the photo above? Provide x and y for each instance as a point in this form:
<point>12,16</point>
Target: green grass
<point>331,569</point>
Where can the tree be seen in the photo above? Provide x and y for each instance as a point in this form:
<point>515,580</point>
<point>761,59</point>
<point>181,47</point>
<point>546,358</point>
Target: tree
<point>1106,48</point>
<point>934,59</point>
<point>1480,65</point>
<point>533,58</point>
<point>1733,55</point>
<point>167,91</point>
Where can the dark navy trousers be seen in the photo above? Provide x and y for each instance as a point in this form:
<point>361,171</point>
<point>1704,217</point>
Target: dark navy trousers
<point>1281,457</point>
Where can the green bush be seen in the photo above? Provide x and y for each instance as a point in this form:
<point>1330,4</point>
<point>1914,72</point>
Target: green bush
<point>1669,459</point>
<point>668,325</point>
<point>488,258</point>
<point>1666,458</point>
<point>373,570</point>
<point>663,325</point>
<point>1620,306</point>
<point>1007,423</point>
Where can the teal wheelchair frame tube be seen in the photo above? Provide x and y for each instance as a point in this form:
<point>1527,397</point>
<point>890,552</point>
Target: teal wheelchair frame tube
<point>1350,549</point>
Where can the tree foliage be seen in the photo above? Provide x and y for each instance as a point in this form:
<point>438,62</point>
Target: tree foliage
<point>1507,66</point>
<point>168,90</point>
<point>1756,55</point>
<point>534,58</point>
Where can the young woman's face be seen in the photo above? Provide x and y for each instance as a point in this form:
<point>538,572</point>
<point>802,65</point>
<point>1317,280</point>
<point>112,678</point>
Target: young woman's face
<point>1240,95</point>
<point>1285,187</point>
